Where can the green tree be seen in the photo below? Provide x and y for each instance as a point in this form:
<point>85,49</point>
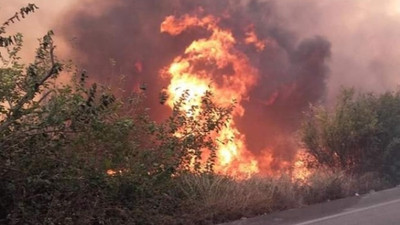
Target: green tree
<point>57,142</point>
<point>360,135</point>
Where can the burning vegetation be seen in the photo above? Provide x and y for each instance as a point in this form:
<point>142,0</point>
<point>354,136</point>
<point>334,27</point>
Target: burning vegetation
<point>229,139</point>
<point>213,64</point>
<point>232,49</point>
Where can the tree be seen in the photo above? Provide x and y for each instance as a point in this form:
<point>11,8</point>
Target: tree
<point>6,41</point>
<point>360,135</point>
<point>58,141</point>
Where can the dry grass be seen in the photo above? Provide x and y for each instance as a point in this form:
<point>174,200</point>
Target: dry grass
<point>218,198</point>
<point>325,185</point>
<point>211,199</point>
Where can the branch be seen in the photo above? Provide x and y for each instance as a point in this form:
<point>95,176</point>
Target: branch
<point>6,41</point>
<point>55,69</point>
<point>22,12</point>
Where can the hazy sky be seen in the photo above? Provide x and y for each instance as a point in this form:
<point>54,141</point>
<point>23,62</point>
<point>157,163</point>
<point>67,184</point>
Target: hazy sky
<point>38,23</point>
<point>365,38</point>
<point>364,34</point>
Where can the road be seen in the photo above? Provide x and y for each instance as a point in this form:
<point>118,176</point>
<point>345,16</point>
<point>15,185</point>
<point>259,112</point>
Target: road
<point>377,208</point>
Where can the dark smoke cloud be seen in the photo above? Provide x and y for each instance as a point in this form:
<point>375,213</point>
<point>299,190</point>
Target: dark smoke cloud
<point>292,72</point>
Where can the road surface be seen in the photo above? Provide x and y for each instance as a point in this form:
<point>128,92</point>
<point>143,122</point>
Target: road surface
<point>377,208</point>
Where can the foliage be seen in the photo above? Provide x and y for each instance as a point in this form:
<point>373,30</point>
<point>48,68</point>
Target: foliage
<point>6,41</point>
<point>360,135</point>
<point>77,154</point>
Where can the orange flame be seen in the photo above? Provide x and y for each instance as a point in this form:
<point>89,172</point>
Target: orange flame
<point>251,38</point>
<point>300,170</point>
<point>214,63</point>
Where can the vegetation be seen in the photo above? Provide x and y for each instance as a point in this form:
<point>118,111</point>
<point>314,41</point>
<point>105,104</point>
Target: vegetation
<point>58,141</point>
<point>76,153</point>
<point>11,39</point>
<point>361,135</point>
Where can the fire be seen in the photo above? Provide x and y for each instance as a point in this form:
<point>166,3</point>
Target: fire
<point>111,172</point>
<point>214,64</point>
<point>251,38</point>
<point>300,170</point>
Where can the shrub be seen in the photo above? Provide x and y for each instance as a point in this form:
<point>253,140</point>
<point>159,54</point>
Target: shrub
<point>58,141</point>
<point>359,136</point>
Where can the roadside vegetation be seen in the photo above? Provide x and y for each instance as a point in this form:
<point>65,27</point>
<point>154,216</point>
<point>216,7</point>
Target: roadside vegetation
<point>361,135</point>
<point>76,153</point>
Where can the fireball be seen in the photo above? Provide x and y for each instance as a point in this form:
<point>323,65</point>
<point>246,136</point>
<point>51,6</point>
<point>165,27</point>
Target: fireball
<point>215,64</point>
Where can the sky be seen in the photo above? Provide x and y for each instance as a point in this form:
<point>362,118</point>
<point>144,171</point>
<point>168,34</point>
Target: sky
<point>37,24</point>
<point>364,35</point>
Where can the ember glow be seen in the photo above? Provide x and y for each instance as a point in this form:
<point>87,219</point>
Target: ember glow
<point>214,64</point>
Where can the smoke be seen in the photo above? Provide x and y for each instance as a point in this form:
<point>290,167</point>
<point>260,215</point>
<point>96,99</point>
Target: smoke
<point>364,39</point>
<point>37,24</point>
<point>286,88</point>
<point>313,48</point>
<point>292,72</point>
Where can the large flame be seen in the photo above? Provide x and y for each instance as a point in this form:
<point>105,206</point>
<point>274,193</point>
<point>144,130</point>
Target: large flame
<point>215,63</point>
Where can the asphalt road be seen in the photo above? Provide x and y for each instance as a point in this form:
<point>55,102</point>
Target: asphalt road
<point>377,208</point>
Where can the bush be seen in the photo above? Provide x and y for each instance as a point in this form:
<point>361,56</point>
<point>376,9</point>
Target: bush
<point>359,136</point>
<point>58,141</point>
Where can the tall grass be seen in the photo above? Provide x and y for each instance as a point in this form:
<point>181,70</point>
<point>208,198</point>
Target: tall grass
<point>210,199</point>
<point>219,198</point>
